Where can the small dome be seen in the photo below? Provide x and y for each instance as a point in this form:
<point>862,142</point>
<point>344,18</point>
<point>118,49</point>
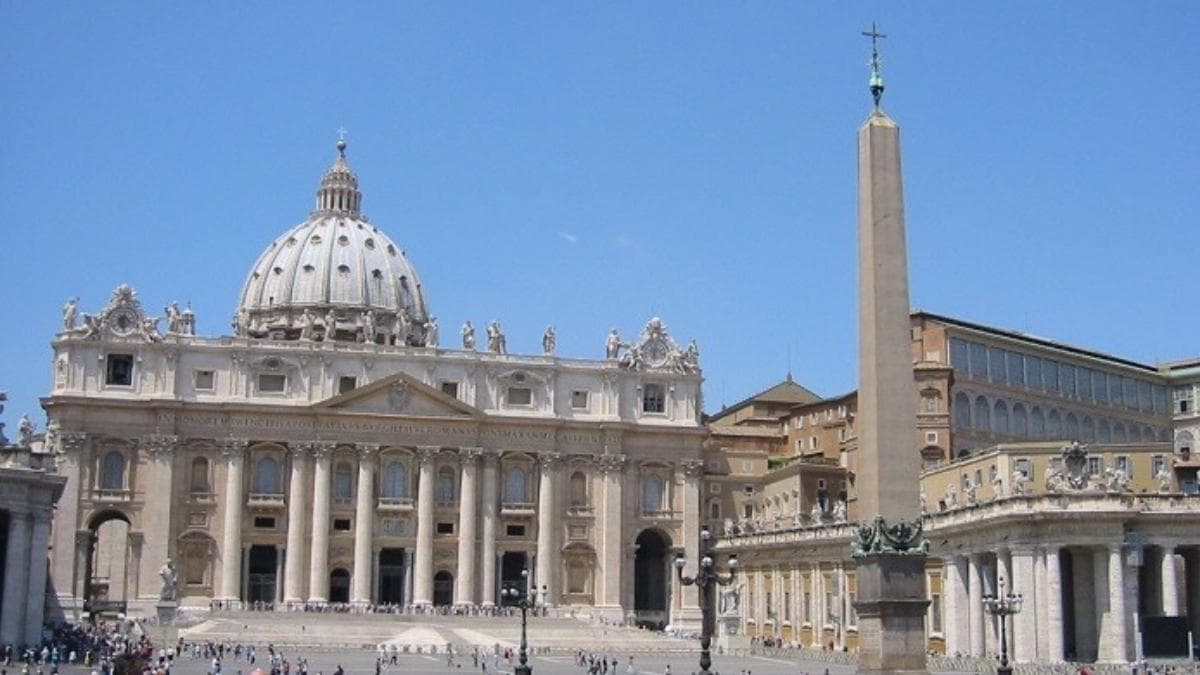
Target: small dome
<point>334,276</point>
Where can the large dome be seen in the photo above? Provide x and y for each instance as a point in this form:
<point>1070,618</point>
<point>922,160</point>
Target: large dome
<point>334,276</point>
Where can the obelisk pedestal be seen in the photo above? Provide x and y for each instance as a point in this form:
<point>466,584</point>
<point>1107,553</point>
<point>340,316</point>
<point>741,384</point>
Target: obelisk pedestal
<point>889,550</point>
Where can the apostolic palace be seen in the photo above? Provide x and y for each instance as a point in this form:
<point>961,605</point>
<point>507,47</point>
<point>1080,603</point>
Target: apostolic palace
<point>332,451</point>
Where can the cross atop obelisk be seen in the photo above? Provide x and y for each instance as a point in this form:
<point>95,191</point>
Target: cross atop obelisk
<point>888,548</point>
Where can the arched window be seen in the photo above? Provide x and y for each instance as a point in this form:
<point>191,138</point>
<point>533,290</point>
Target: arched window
<point>983,416</point>
<point>1087,429</point>
<point>266,477</point>
<point>1020,422</point>
<point>514,486</point>
<point>962,410</point>
<point>1054,425</point>
<point>343,482</point>
<point>652,493</point>
<point>1000,419</point>
<point>199,477</point>
<point>1037,423</point>
<point>395,480</point>
<point>1071,427</point>
<point>112,471</point>
<point>1104,432</point>
<point>579,496</point>
<point>445,484</point>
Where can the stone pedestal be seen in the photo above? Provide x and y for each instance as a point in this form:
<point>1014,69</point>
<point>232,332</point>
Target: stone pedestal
<point>729,633</point>
<point>891,613</point>
<point>166,611</point>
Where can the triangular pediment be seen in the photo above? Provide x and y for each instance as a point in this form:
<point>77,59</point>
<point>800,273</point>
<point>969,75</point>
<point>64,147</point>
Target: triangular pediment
<point>399,394</point>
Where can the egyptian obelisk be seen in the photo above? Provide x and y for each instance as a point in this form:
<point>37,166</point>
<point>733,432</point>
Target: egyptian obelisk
<point>889,550</point>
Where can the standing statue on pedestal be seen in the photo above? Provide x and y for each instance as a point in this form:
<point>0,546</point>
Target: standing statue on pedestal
<point>612,345</point>
<point>25,429</point>
<point>369,326</point>
<point>468,336</point>
<point>306,325</point>
<point>400,329</point>
<point>170,581</point>
<point>497,343</point>
<point>330,325</point>
<point>173,322</point>
<point>431,332</point>
<point>70,310</point>
<point>549,341</point>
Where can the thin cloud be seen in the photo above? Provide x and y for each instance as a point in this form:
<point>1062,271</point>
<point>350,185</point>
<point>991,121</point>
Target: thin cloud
<point>568,237</point>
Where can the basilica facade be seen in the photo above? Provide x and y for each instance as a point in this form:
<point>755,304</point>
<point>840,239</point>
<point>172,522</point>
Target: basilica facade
<point>330,452</point>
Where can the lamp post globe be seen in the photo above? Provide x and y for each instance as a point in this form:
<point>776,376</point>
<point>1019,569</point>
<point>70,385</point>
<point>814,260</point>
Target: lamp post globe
<point>706,581</point>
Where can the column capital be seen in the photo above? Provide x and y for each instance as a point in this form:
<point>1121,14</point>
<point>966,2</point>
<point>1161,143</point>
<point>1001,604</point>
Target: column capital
<point>549,460</point>
<point>468,456</point>
<point>70,441</point>
<point>692,468</point>
<point>160,446</point>
<point>489,455</point>
<point>232,448</point>
<point>321,450</point>
<point>299,450</point>
<point>366,450</point>
<point>426,453</point>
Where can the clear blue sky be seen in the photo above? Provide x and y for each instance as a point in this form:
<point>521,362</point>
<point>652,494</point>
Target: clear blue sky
<point>592,164</point>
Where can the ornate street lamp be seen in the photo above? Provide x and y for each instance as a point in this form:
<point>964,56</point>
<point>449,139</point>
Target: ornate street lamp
<point>1003,606</point>
<point>706,580</point>
<point>520,598</point>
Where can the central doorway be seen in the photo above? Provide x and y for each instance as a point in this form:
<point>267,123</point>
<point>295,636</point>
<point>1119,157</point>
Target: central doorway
<point>391,576</point>
<point>511,565</point>
<point>260,579</point>
<point>339,585</point>
<point>443,589</point>
<point>651,583</point>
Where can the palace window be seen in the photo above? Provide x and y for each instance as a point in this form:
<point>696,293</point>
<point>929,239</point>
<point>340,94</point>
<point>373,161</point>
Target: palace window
<point>445,528</point>
<point>514,530</point>
<point>266,477</point>
<point>1185,399</point>
<point>983,416</point>
<point>1125,466</point>
<point>270,383</point>
<point>1099,388</point>
<point>1095,466</point>
<point>1183,443</point>
<point>445,485</point>
<point>343,482</point>
<point>578,489</point>
<point>199,476</point>
<point>1025,468</point>
<point>347,383</point>
<point>1016,368</point>
<point>652,493</point>
<point>1157,464</point>
<point>962,410</point>
<point>1020,423</point>
<point>1000,420</point>
<point>205,380</point>
<point>341,524</point>
<point>450,389</point>
<point>520,396</point>
<point>119,370</point>
<point>579,400</point>
<point>653,399</point>
<point>112,471</point>
<point>395,480</point>
<point>264,522</point>
<point>514,486</point>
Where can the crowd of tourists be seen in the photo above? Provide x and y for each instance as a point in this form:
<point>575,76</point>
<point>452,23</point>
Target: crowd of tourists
<point>384,608</point>
<point>92,646</point>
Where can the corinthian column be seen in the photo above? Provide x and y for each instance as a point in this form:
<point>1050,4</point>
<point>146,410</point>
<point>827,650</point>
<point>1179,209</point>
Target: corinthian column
<point>16,575</point>
<point>156,516</point>
<point>423,569</point>
<point>318,564</point>
<point>233,451</point>
<point>491,494</point>
<point>293,584</point>
<point>364,521</point>
<point>1170,586</point>
<point>1025,626</point>
<point>464,581</point>
<point>1113,637</point>
<point>548,523</point>
<point>612,468</point>
<point>35,611</point>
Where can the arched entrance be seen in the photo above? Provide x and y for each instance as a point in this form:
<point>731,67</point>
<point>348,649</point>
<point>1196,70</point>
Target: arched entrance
<point>651,580</point>
<point>512,563</point>
<point>339,585</point>
<point>443,589</point>
<point>106,573</point>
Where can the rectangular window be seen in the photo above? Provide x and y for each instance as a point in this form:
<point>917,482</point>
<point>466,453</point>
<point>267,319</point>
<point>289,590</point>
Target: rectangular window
<point>1033,372</point>
<point>450,389</point>
<point>341,524</point>
<point>931,437</point>
<point>978,477</point>
<point>579,399</point>
<point>1099,387</point>
<point>1157,464</point>
<point>1025,467</point>
<point>1084,376</point>
<point>264,522</point>
<point>996,367</point>
<point>347,383</point>
<point>205,380</point>
<point>1114,389</point>
<point>1125,466</point>
<point>1066,379</point>
<point>807,606</point>
<point>798,422</point>
<point>271,384</point>
<point>514,530</point>
<point>1050,375</point>
<point>1159,392</point>
<point>787,605</point>
<point>1129,386</point>
<point>748,489</point>
<point>935,613</point>
<point>830,610</point>
<point>520,396</point>
<point>653,399</point>
<point>119,370</point>
<point>978,360</point>
<point>1185,399</point>
<point>1144,402</point>
<point>445,528</point>
<point>958,354</point>
<point>1095,466</point>
<point>1016,368</point>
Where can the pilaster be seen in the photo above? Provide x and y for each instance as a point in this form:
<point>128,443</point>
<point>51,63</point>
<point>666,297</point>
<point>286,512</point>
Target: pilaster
<point>612,470</point>
<point>157,483</point>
